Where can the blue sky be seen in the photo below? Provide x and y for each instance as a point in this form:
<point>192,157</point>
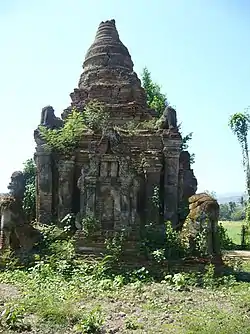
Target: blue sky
<point>198,51</point>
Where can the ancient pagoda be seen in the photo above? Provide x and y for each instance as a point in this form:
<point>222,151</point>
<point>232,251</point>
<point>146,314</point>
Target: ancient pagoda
<point>114,175</point>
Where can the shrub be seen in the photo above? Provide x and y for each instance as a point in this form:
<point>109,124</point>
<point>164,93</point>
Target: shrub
<point>91,323</point>
<point>29,200</point>
<point>225,241</point>
<point>65,140</point>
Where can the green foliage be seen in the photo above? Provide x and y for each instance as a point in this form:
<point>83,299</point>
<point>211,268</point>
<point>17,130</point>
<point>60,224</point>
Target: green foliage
<point>68,223</point>
<point>96,117</point>
<point>239,124</point>
<point>178,281</point>
<point>156,197</point>
<point>91,323</point>
<point>225,241</point>
<point>29,200</point>
<point>60,292</point>
<point>29,171</point>
<point>133,128</point>
<point>159,255</point>
<point>207,279</point>
<point>158,101</point>
<point>13,316</point>
<point>115,245</point>
<point>201,243</point>
<point>132,324</point>
<point>90,225</point>
<point>162,242</point>
<point>185,141</point>
<point>184,145</point>
<point>65,140</point>
<point>225,212</point>
<point>8,260</point>
<point>232,211</point>
<point>155,98</point>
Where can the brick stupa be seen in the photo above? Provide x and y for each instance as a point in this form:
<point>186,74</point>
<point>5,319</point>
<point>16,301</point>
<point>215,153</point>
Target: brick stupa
<point>113,176</point>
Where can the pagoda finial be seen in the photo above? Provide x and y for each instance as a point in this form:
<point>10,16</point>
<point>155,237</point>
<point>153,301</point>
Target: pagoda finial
<point>107,30</point>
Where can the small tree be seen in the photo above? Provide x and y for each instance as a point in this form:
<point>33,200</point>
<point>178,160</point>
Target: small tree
<point>158,101</point>
<point>184,145</point>
<point>155,98</point>
<point>239,124</point>
<point>225,213</point>
<point>232,206</point>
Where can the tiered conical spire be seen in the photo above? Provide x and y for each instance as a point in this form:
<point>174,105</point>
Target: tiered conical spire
<point>107,30</point>
<point>107,51</point>
<point>108,76</point>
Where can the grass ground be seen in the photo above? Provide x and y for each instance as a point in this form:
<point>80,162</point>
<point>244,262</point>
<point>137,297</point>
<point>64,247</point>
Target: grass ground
<point>61,294</point>
<point>234,230</point>
<point>47,302</point>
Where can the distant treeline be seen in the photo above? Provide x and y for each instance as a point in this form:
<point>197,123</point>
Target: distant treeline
<point>233,211</point>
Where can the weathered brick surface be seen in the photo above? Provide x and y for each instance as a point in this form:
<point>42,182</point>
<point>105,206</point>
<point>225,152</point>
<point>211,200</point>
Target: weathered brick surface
<point>114,175</point>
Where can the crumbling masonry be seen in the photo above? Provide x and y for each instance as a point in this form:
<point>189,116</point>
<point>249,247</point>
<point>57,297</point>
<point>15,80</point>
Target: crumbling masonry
<point>100,176</point>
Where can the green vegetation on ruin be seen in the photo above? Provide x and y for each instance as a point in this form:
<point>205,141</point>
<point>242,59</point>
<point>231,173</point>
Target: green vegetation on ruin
<point>96,118</point>
<point>56,291</point>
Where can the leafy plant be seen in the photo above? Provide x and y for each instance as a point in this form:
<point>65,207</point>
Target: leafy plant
<point>239,124</point>
<point>155,98</point>
<point>225,241</point>
<point>96,116</point>
<point>29,200</point>
<point>201,243</point>
<point>12,317</point>
<point>162,242</point>
<point>159,255</point>
<point>115,244</point>
<point>90,225</point>
<point>158,101</point>
<point>91,323</point>
<point>132,324</point>
<point>68,222</point>
<point>184,145</point>
<point>178,281</point>
<point>156,197</point>
<point>142,275</point>
<point>65,139</point>
<point>8,260</point>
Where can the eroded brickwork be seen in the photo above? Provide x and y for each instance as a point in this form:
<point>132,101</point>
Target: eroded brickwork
<point>113,175</point>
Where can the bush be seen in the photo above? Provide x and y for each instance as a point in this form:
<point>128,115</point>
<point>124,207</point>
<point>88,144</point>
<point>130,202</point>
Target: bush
<point>162,242</point>
<point>29,200</point>
<point>66,139</point>
<point>91,323</point>
<point>225,242</point>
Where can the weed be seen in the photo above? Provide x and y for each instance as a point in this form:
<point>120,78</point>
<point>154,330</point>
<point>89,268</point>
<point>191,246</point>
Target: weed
<point>12,317</point>
<point>131,323</point>
<point>90,323</point>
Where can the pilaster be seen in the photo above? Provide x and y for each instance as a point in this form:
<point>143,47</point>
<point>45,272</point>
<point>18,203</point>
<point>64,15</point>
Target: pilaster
<point>65,186</point>
<point>43,184</point>
<point>172,144</point>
